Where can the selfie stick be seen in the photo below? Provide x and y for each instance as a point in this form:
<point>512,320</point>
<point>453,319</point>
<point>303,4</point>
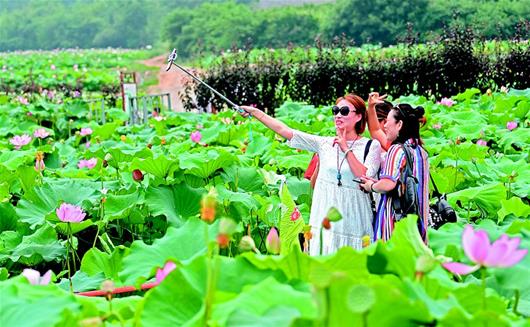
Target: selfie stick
<point>171,61</point>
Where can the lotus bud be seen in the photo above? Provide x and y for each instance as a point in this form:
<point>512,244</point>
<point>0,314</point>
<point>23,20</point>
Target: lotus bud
<point>273,241</point>
<point>247,244</point>
<point>227,226</point>
<point>107,286</point>
<point>223,240</point>
<point>138,175</point>
<point>326,223</point>
<point>208,204</point>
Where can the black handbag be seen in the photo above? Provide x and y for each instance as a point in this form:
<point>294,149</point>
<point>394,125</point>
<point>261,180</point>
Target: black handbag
<point>441,212</point>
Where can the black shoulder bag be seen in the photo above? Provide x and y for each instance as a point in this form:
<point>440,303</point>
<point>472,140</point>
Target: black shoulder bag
<point>441,212</point>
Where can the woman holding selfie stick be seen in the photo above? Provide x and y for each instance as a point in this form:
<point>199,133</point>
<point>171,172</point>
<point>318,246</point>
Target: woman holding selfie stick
<point>342,163</point>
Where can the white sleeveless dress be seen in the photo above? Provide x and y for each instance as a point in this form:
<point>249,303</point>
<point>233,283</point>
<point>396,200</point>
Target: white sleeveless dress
<point>350,201</point>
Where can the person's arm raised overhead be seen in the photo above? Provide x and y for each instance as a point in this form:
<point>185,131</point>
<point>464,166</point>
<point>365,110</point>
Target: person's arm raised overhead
<point>374,128</point>
<point>274,124</point>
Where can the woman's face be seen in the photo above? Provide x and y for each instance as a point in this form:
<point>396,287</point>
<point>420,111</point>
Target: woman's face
<point>346,122</point>
<point>392,127</point>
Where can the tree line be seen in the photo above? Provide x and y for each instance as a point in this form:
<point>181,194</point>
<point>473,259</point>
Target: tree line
<point>198,26</point>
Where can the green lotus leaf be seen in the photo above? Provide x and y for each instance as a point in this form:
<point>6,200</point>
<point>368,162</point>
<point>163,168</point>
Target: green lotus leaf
<point>513,206</point>
<point>486,197</point>
<point>27,305</point>
<point>262,297</point>
<point>176,203</point>
<point>40,246</point>
<point>180,244</point>
<point>244,178</point>
<point>160,167</point>
<point>8,217</point>
<point>289,228</point>
<point>204,164</point>
<point>96,261</point>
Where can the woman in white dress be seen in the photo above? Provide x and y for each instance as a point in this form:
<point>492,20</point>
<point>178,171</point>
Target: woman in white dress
<point>342,163</point>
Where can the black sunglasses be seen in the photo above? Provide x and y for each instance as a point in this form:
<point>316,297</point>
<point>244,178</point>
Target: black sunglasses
<point>344,110</point>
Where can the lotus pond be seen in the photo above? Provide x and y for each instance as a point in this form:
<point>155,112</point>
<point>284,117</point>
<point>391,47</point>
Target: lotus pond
<point>179,209</point>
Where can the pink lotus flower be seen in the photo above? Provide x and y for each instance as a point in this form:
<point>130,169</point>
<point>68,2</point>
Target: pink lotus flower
<point>502,253</point>
<point>35,278</point>
<point>482,143</point>
<point>20,140</point>
<point>504,89</point>
<point>41,133</point>
<point>23,100</point>
<point>437,126</point>
<point>76,94</point>
<point>90,163</point>
<point>85,131</point>
<point>161,274</point>
<point>29,114</point>
<point>196,136</point>
<point>76,67</point>
<point>511,125</point>
<point>52,67</point>
<point>446,102</point>
<point>87,144</point>
<point>273,241</point>
<point>70,213</point>
<point>296,214</point>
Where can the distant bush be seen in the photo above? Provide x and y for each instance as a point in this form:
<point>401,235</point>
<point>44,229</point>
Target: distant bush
<point>439,69</point>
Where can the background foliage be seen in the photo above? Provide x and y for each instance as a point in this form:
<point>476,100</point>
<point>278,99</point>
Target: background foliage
<point>270,77</point>
<point>215,25</point>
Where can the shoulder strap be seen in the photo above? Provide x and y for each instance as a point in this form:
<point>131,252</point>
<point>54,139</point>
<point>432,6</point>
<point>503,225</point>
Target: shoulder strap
<point>436,193</point>
<point>408,157</point>
<point>372,200</point>
<point>367,149</point>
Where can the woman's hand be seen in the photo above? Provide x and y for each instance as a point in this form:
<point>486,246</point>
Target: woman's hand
<point>374,98</point>
<point>366,183</point>
<point>340,139</point>
<point>246,111</point>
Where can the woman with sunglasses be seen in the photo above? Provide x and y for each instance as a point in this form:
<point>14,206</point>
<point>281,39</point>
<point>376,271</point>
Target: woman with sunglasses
<point>380,112</point>
<point>401,133</point>
<point>342,163</point>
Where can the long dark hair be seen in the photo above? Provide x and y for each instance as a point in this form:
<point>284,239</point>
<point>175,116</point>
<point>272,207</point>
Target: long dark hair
<point>382,109</point>
<point>412,118</point>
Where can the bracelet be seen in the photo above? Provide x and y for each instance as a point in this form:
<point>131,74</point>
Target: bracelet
<point>372,187</point>
<point>346,153</point>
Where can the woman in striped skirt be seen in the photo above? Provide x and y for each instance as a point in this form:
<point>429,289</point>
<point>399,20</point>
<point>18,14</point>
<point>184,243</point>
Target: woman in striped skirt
<point>401,135</point>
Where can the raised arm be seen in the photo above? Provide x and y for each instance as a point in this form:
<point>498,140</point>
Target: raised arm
<point>274,124</point>
<point>376,132</point>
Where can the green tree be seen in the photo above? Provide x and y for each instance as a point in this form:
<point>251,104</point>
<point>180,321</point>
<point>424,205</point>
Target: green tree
<point>375,20</point>
<point>281,26</point>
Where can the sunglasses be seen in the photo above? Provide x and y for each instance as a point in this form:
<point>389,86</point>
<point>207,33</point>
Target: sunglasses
<point>344,110</point>
<point>398,108</point>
